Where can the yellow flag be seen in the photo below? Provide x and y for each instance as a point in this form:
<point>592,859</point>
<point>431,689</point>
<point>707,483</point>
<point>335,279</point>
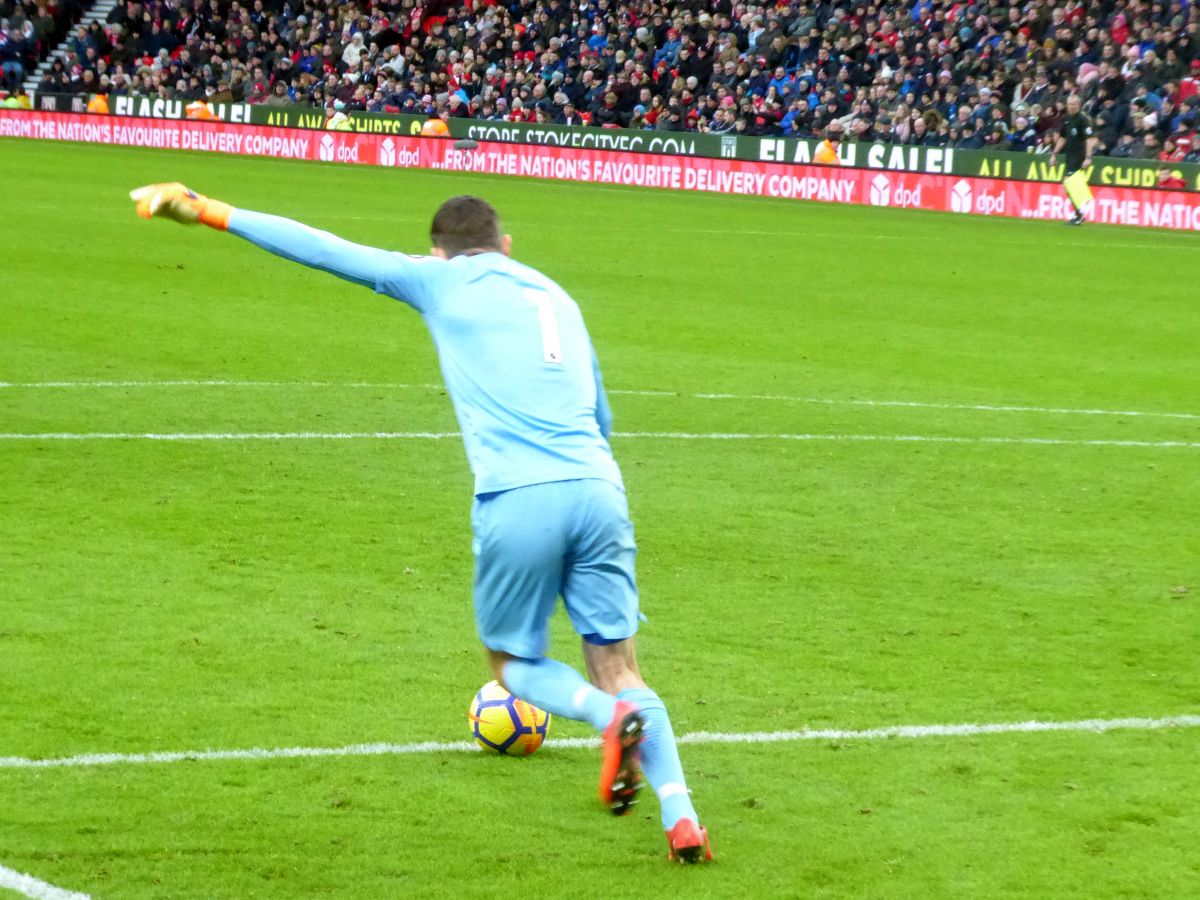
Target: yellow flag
<point>1078,190</point>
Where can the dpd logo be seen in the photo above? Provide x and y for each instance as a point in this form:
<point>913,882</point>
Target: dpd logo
<point>387,152</point>
<point>961,197</point>
<point>881,190</point>
<point>331,150</point>
<point>325,150</point>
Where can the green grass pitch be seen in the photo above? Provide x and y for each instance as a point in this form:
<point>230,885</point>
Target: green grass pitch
<point>227,594</point>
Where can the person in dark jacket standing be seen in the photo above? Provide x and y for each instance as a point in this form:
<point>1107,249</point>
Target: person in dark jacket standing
<point>1077,139</point>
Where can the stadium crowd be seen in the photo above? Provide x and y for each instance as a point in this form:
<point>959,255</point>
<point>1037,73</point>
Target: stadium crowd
<point>988,74</point>
<point>29,29</point>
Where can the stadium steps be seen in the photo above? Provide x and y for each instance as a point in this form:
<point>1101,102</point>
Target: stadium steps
<point>98,12</point>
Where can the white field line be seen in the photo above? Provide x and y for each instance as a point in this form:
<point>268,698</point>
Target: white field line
<point>231,436</point>
<point>633,435</point>
<point>29,886</point>
<point>918,404</point>
<point>1094,726</point>
<point>904,438</point>
<point>238,436</point>
<point>210,382</point>
<point>773,398</point>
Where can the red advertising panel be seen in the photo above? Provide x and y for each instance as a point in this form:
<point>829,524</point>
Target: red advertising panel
<point>903,190</point>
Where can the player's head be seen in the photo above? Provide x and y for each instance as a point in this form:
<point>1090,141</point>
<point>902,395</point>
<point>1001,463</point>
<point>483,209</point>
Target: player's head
<point>467,225</point>
<point>1073,104</point>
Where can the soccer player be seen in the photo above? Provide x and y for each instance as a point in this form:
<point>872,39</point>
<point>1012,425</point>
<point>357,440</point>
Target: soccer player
<point>1077,139</point>
<point>550,516</point>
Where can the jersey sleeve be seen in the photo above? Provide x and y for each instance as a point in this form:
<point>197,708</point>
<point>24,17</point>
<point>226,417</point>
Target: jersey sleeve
<point>415,280</point>
<point>603,411</point>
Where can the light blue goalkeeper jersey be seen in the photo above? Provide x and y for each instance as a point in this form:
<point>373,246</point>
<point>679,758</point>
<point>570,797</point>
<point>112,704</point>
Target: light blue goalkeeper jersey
<point>515,354</point>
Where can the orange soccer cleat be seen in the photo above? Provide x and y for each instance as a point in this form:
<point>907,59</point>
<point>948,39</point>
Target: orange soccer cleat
<point>687,842</point>
<point>620,771</point>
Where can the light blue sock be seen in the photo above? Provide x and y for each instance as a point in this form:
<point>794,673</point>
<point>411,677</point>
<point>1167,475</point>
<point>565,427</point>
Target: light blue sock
<point>660,758</point>
<point>557,688</point>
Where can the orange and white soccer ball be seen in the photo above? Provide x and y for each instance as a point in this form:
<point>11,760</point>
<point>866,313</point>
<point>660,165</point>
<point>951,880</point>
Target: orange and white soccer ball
<point>503,724</point>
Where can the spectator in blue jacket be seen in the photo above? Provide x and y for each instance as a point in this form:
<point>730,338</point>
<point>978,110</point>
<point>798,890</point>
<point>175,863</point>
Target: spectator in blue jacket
<point>12,53</point>
<point>81,42</point>
<point>783,83</point>
<point>669,51</point>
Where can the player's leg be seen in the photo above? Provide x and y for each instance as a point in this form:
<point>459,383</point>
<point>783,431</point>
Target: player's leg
<point>520,542</point>
<point>600,593</point>
<point>553,686</point>
<point>613,667</point>
<point>559,689</point>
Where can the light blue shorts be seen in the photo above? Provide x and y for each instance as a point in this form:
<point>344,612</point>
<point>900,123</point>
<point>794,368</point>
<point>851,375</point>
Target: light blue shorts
<point>564,538</point>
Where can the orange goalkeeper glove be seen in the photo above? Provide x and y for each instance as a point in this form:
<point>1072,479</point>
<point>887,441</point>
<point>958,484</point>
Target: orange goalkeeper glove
<point>174,201</point>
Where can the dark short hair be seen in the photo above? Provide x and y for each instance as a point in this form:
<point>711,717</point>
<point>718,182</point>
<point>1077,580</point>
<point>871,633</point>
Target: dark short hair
<point>465,223</point>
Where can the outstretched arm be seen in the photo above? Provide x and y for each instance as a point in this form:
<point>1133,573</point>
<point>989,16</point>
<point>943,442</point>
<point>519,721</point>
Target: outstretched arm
<point>310,247</point>
<point>395,274</point>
